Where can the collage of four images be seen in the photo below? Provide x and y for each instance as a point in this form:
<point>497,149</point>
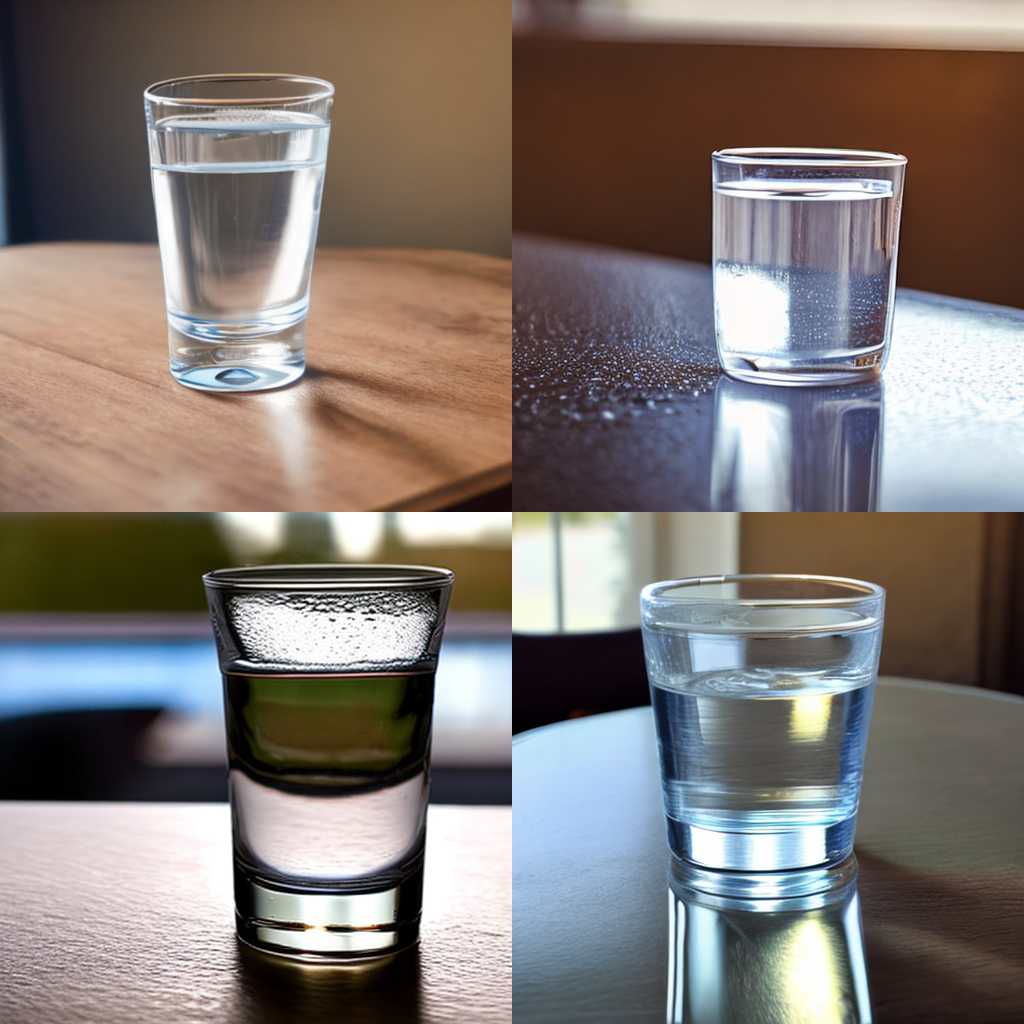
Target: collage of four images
<point>744,748</point>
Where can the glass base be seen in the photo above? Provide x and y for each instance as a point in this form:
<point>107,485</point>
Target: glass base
<point>320,925</point>
<point>212,357</point>
<point>812,371</point>
<point>819,883</point>
<point>803,846</point>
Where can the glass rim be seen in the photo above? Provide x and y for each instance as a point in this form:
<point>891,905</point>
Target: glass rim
<point>655,593</point>
<point>324,90</point>
<point>793,156</point>
<point>330,576</point>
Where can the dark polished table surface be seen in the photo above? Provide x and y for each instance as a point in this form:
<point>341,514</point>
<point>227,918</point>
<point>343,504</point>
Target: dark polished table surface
<point>940,845</point>
<point>618,402</point>
<point>121,914</point>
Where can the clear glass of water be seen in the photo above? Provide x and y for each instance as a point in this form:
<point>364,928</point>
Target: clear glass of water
<point>804,253</point>
<point>238,171</point>
<point>328,699</point>
<point>762,688</point>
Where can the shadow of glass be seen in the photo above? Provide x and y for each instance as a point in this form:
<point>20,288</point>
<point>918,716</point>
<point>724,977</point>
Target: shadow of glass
<point>272,988</point>
<point>766,961</point>
<point>779,449</point>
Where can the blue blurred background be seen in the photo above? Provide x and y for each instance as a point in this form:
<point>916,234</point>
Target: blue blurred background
<point>109,685</point>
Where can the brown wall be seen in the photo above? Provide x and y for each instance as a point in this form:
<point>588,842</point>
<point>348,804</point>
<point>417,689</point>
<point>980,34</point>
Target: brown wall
<point>613,139</point>
<point>932,565</point>
<point>420,140</point>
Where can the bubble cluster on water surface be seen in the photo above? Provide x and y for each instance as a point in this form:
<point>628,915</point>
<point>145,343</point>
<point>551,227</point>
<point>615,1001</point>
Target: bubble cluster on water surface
<point>241,116</point>
<point>712,616</point>
<point>334,632</point>
<point>604,338</point>
<point>744,680</point>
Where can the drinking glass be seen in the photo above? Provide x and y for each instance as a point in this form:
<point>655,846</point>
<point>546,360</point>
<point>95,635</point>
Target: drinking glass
<point>238,171</point>
<point>804,257</point>
<point>762,688</point>
<point>328,696</point>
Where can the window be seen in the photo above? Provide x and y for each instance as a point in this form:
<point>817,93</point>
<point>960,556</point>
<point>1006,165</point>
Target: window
<point>106,616</point>
<point>152,563</point>
<point>583,571</point>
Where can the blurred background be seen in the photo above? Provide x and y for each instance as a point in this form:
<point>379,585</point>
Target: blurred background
<point>954,583</point>
<point>109,683</point>
<point>420,139</point>
<point>619,104</point>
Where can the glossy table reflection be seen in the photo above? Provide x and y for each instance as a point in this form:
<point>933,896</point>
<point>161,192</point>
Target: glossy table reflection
<point>777,961</point>
<point>122,914</point>
<point>940,846</point>
<point>618,401</point>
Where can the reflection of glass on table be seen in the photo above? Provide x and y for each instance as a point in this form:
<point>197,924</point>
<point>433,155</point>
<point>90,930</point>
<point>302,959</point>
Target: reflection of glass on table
<point>736,960</point>
<point>796,449</point>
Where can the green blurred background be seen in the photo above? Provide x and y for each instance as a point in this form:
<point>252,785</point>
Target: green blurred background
<point>152,563</point>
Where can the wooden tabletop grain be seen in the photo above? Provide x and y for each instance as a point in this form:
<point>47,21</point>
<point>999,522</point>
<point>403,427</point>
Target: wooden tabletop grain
<point>940,845</point>
<point>406,402</point>
<point>122,914</point>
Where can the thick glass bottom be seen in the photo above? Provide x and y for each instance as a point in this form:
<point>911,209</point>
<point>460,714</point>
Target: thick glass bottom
<point>221,358</point>
<point>325,925</point>
<point>801,846</point>
<point>814,884</point>
<point>809,370</point>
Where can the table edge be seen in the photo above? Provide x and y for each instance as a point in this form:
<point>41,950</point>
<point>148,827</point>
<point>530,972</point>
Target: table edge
<point>368,250</point>
<point>915,294</point>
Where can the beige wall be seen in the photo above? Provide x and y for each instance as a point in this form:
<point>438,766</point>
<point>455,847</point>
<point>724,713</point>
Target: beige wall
<point>421,140</point>
<point>932,566</point>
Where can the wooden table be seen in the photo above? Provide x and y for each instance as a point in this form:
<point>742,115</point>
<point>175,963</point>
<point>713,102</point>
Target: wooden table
<point>122,914</point>
<point>940,842</point>
<point>405,403</point>
<point>618,402</point>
